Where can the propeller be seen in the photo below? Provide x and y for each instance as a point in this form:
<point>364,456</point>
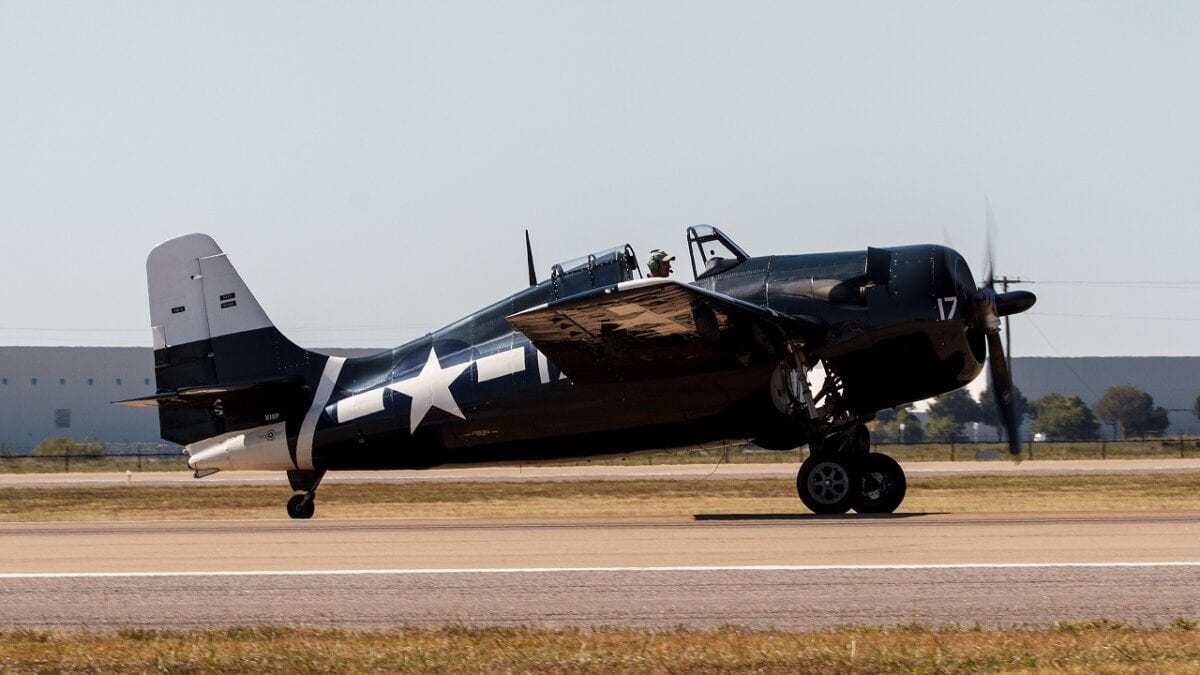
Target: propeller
<point>989,307</point>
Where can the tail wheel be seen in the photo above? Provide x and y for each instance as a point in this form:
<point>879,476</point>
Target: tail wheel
<point>299,506</point>
<point>882,485</point>
<point>826,484</point>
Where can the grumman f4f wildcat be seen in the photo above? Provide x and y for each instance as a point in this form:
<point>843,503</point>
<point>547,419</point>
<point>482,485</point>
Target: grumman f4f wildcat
<point>596,360</point>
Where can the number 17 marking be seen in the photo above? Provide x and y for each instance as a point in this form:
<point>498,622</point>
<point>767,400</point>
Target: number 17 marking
<point>945,313</point>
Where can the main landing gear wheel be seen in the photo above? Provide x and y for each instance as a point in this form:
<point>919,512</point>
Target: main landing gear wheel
<point>301,506</point>
<point>826,484</point>
<point>881,485</point>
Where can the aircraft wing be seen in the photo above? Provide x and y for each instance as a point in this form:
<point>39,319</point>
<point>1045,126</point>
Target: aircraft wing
<point>654,328</point>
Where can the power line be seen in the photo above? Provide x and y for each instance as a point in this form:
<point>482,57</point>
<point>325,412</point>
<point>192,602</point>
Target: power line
<point>1086,283</point>
<point>144,329</point>
<point>1123,317</point>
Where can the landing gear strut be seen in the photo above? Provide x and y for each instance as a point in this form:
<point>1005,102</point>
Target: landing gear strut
<point>841,472</point>
<point>303,506</point>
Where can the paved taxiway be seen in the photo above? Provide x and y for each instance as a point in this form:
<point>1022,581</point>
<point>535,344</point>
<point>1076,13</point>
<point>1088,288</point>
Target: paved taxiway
<point>787,571</point>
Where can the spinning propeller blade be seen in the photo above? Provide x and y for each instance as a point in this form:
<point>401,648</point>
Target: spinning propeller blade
<point>1002,389</point>
<point>989,307</point>
<point>989,255</point>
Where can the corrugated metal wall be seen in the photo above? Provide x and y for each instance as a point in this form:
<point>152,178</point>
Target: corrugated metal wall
<point>39,385</point>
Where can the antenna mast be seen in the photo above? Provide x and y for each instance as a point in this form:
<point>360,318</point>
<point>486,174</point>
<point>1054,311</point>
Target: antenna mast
<point>529,257</point>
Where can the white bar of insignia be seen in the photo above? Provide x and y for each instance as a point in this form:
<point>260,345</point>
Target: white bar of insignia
<point>360,405</point>
<point>494,366</point>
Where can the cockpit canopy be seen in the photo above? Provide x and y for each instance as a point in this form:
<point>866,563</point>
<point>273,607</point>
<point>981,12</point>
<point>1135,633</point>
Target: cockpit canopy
<point>712,252</point>
<point>604,268</point>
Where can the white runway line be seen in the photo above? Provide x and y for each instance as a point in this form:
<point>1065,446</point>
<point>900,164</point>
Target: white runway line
<point>560,570</point>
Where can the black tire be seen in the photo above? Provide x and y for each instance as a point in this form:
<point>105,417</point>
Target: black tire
<point>882,485</point>
<point>298,508</point>
<point>826,484</point>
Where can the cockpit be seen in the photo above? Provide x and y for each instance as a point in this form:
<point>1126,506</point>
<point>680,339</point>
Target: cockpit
<point>710,250</point>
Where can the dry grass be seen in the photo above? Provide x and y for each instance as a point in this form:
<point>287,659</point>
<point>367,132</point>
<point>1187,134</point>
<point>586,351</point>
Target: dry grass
<point>1074,648</point>
<point>1113,492</point>
<point>1157,448</point>
<point>949,494</point>
<point>177,462</point>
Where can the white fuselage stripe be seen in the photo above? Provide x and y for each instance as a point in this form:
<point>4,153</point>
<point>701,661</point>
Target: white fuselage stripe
<point>304,443</point>
<point>360,405</point>
<point>500,364</point>
<point>560,570</point>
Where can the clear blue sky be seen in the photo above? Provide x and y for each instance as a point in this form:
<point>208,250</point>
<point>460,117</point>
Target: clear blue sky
<point>370,167</point>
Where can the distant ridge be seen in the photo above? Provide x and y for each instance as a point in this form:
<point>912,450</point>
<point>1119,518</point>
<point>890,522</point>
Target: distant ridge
<point>1173,381</point>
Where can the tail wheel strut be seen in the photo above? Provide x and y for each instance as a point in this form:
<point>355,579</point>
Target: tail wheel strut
<point>303,506</point>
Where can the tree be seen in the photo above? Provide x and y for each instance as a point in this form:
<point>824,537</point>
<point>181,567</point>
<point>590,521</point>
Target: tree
<point>1131,411</point>
<point>887,414</point>
<point>1157,423</point>
<point>957,406</point>
<point>888,430</point>
<point>58,446</point>
<point>949,412</point>
<point>1063,418</point>
<point>989,413</point>
<point>942,429</point>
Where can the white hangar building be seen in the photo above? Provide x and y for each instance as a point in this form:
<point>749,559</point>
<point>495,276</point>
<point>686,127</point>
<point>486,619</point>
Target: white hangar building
<point>68,391</point>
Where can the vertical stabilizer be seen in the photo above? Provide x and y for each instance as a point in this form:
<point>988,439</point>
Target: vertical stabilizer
<point>209,331</point>
<point>195,294</point>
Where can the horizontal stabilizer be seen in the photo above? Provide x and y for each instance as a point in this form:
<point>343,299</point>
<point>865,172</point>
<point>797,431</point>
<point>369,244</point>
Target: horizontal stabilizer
<point>205,395</point>
<point>656,328</point>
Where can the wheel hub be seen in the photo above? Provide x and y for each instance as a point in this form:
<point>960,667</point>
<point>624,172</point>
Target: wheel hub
<point>829,482</point>
<point>874,486</point>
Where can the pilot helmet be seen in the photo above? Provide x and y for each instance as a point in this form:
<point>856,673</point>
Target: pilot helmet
<point>657,258</point>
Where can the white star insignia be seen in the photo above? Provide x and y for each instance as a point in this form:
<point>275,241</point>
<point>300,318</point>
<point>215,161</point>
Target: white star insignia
<point>431,389</point>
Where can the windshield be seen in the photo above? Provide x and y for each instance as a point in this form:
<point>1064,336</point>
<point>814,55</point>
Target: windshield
<point>712,252</point>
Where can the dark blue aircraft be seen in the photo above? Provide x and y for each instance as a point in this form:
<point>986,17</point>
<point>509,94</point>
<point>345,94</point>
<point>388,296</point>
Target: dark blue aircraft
<point>597,360</point>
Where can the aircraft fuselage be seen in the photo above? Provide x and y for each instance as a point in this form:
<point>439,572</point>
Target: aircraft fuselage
<point>490,396</point>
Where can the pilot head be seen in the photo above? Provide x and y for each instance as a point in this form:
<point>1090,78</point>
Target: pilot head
<point>659,263</point>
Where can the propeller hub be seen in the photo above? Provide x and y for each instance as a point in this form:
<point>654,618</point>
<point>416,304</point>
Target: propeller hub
<point>985,310</point>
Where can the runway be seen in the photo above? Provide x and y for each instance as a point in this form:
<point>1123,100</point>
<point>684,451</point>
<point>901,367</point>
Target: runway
<point>786,572</point>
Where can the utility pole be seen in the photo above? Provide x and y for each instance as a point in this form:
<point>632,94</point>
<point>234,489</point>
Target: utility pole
<point>1007,333</point>
<point>1004,282</point>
